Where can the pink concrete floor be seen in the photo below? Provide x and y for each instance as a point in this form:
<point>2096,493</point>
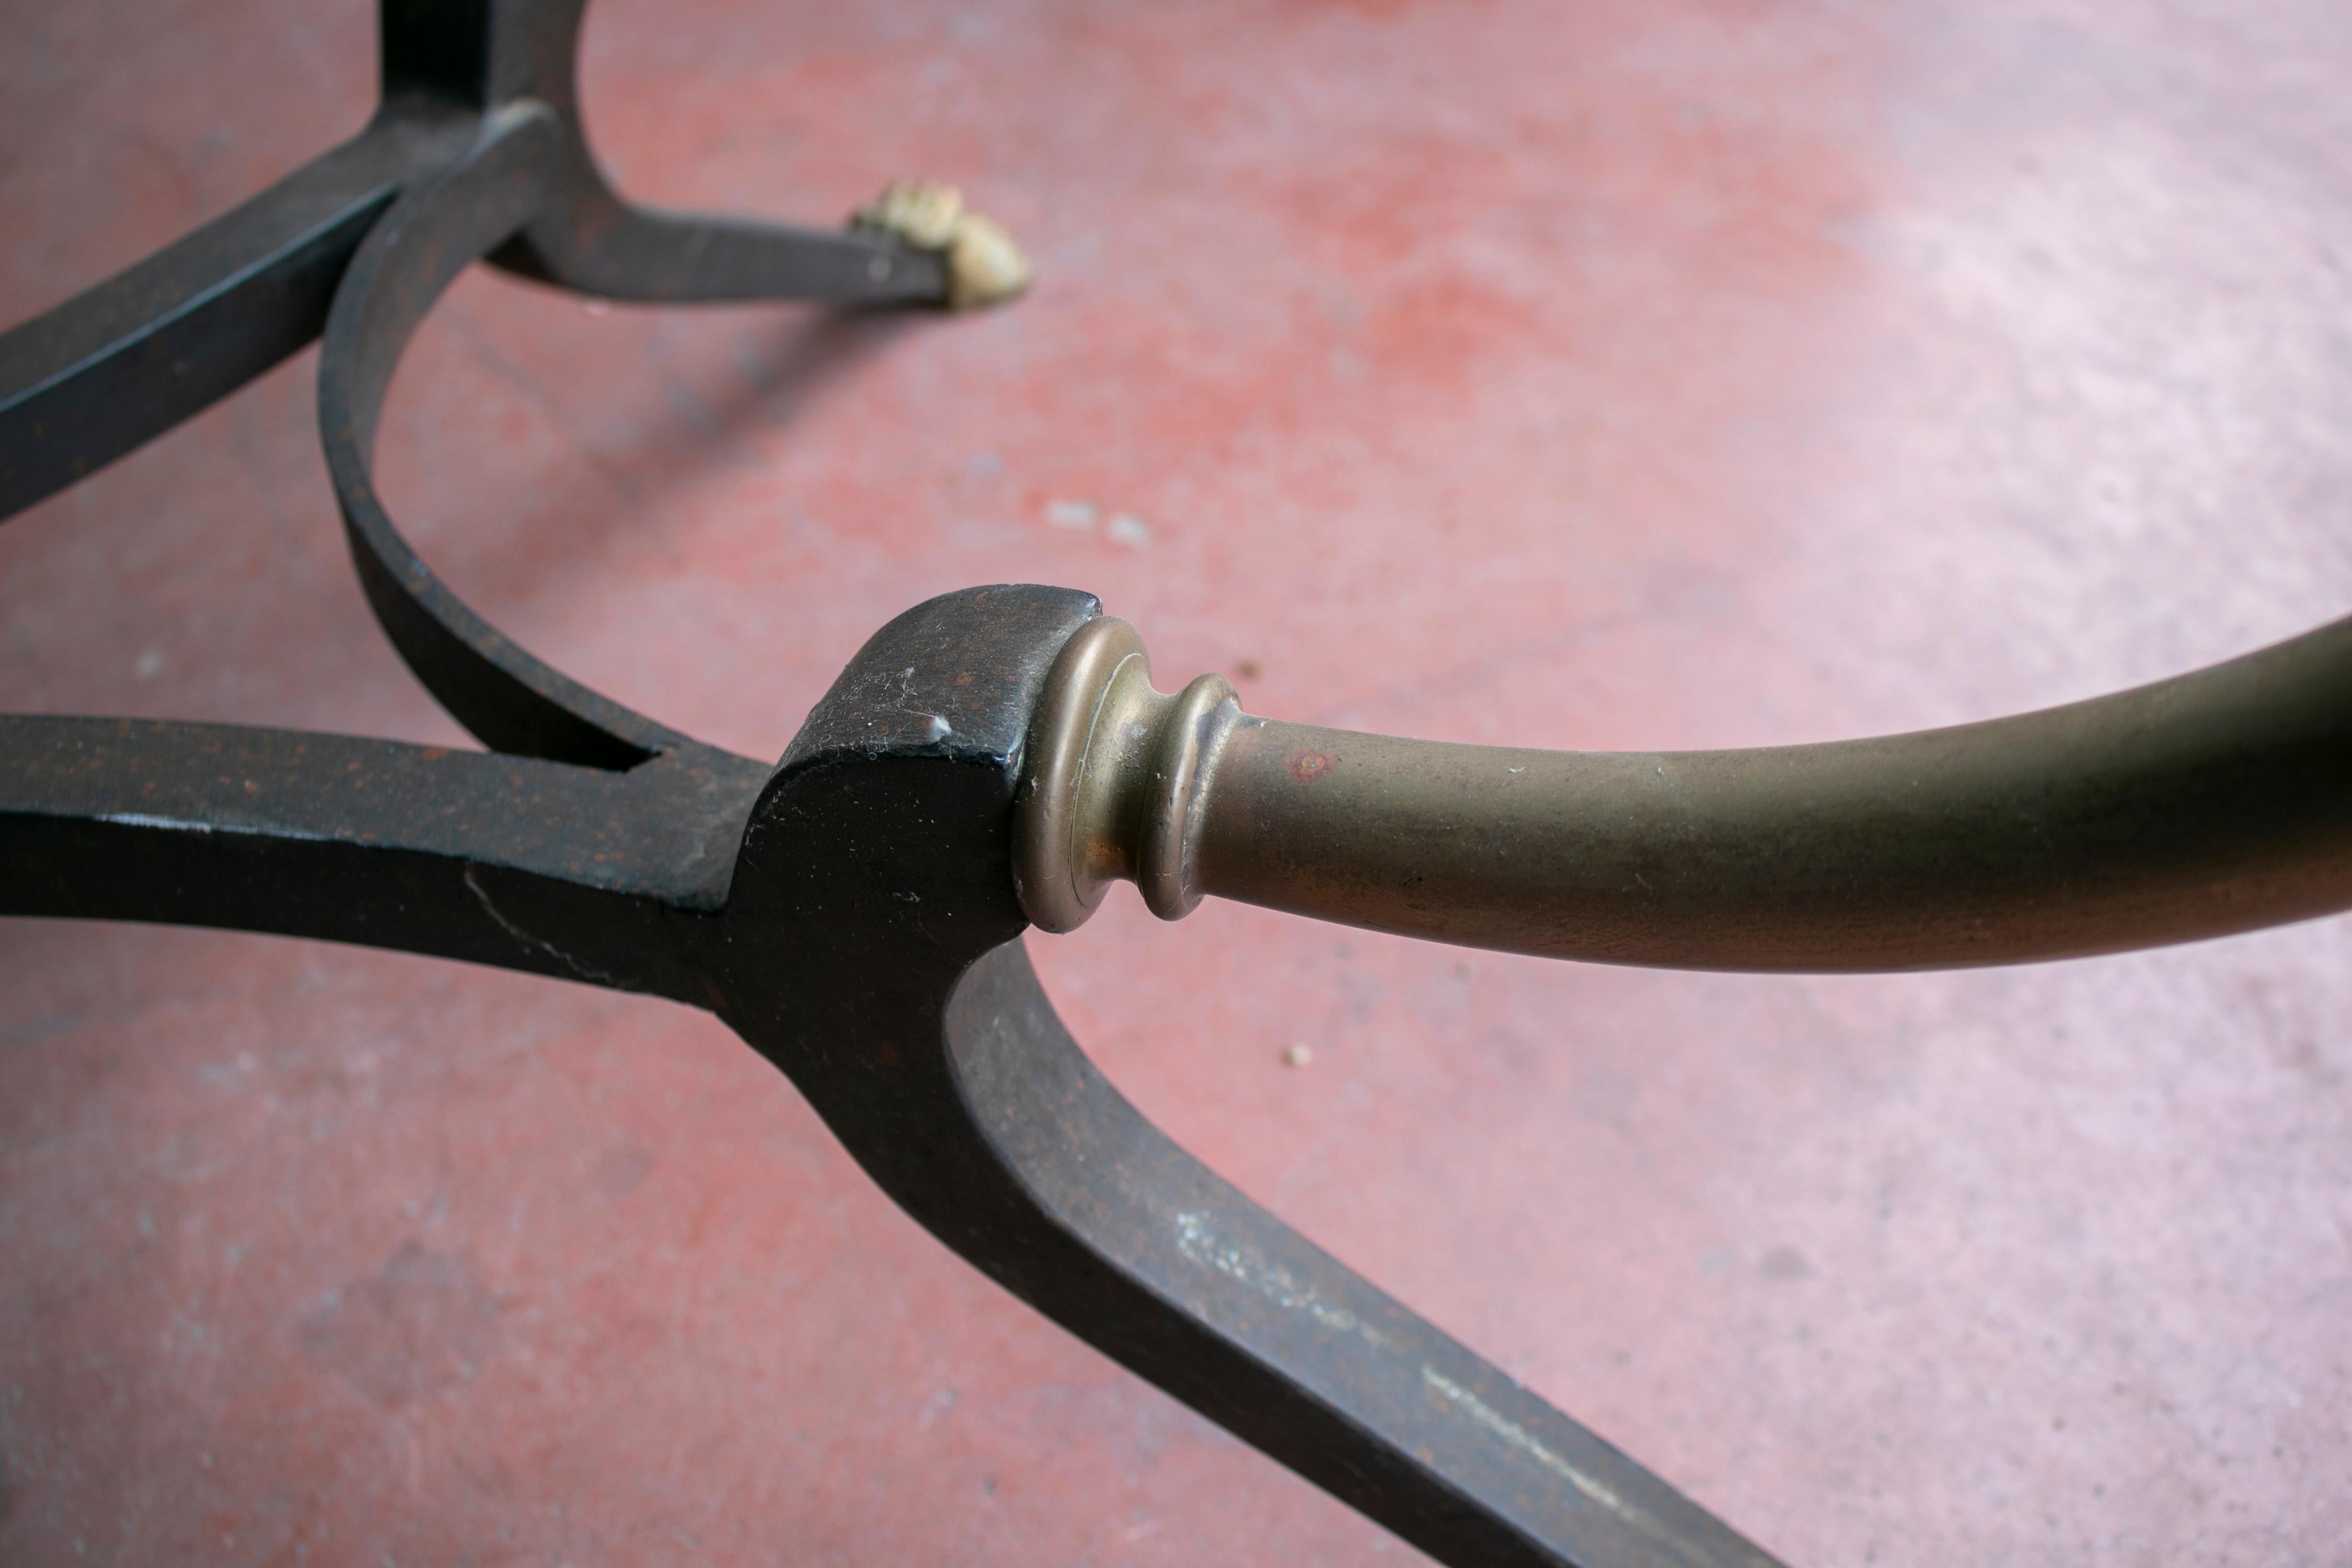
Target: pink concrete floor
<point>1643,372</point>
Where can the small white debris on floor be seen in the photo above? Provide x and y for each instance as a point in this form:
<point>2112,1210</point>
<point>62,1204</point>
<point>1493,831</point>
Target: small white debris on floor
<point>1129,530</point>
<point>1298,1054</point>
<point>1071,514</point>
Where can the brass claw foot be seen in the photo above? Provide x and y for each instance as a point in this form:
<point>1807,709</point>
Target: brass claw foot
<point>984,264</point>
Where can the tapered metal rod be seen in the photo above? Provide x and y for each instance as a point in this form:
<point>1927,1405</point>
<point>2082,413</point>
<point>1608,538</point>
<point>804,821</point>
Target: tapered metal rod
<point>2216,803</point>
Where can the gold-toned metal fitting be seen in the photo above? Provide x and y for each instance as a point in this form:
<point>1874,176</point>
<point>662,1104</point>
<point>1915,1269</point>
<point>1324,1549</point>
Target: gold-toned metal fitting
<point>923,213</point>
<point>1190,733</point>
<point>1903,852</point>
<point>984,265</point>
<point>1116,781</point>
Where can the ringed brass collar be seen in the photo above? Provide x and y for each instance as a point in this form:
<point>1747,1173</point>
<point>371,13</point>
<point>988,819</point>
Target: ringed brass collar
<point>1116,779</point>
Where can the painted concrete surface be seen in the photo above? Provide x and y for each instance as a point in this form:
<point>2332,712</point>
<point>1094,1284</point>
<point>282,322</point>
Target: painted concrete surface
<point>1657,374</point>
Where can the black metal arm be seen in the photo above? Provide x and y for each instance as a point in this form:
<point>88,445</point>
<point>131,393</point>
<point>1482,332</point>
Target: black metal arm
<point>851,913</point>
<point>116,366</point>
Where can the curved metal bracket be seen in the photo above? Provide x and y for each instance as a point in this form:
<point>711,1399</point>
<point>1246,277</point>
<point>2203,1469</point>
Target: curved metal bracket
<point>512,701</point>
<point>850,912</point>
<point>120,364</point>
<point>485,53</point>
<point>875,930</point>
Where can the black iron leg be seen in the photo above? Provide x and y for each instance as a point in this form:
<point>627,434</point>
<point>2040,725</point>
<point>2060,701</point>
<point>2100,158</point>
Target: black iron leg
<point>587,237</point>
<point>873,940</point>
<point>120,364</point>
<point>851,912</point>
<point>123,362</point>
<point>593,242</point>
<point>865,939</point>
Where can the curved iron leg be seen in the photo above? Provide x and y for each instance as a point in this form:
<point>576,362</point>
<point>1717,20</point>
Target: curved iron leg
<point>119,364</point>
<point>483,53</point>
<point>591,241</point>
<point>867,940</point>
<point>511,701</point>
<point>872,953</point>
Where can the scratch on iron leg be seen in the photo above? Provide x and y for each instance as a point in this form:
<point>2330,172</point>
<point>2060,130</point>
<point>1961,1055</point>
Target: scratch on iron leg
<point>935,726</point>
<point>1490,1419</point>
<point>1198,1241</point>
<point>584,971</point>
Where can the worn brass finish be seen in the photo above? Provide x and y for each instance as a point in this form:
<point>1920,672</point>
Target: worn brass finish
<point>1116,778</point>
<point>984,265</point>
<point>2214,802</point>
